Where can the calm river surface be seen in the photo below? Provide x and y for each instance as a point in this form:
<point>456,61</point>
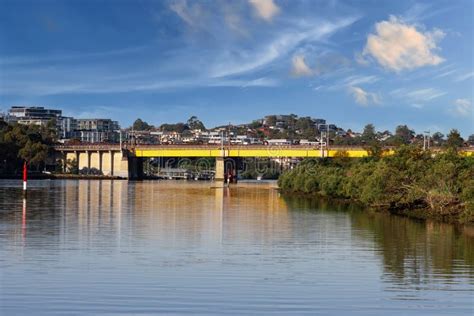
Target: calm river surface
<point>118,247</point>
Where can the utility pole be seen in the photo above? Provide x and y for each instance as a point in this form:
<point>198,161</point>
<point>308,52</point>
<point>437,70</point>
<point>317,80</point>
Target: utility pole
<point>322,143</point>
<point>222,140</point>
<point>327,140</point>
<point>426,140</point>
<point>228,134</point>
<point>120,139</point>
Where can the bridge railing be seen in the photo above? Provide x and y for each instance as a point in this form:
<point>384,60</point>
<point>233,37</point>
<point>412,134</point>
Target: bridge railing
<point>237,147</point>
<point>102,146</point>
<point>80,147</point>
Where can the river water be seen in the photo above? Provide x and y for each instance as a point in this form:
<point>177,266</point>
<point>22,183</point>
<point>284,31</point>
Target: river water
<point>117,247</point>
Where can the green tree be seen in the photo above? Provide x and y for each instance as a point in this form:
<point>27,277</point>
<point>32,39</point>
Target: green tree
<point>404,134</point>
<point>255,124</point>
<point>454,139</point>
<point>177,127</point>
<point>194,123</point>
<point>470,140</point>
<point>374,149</point>
<point>34,152</point>
<point>49,133</point>
<point>371,143</point>
<point>369,133</point>
<point>437,138</point>
<point>19,143</point>
<point>140,125</point>
<point>305,128</point>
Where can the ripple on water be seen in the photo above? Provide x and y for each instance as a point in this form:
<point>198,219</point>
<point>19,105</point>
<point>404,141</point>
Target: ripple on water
<point>90,247</point>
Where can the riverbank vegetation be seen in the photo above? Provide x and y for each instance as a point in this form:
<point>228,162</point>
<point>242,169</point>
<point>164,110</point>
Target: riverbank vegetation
<point>30,143</point>
<point>412,181</point>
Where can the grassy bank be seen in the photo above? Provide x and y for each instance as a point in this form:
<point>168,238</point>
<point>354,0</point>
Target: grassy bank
<point>411,182</point>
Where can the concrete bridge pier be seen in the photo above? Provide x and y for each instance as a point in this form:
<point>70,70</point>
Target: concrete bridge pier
<point>84,160</point>
<point>135,168</point>
<point>95,160</point>
<point>121,165</point>
<point>220,169</point>
<point>108,162</point>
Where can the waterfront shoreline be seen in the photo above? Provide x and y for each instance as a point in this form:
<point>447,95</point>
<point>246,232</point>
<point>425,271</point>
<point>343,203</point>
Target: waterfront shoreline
<point>58,176</point>
<point>412,182</point>
<point>416,213</point>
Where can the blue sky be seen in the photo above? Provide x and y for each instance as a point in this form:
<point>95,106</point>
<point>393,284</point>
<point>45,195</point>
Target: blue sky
<point>351,62</point>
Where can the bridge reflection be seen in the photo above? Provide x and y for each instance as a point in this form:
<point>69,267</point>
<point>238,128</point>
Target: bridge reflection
<point>116,217</point>
<point>174,212</point>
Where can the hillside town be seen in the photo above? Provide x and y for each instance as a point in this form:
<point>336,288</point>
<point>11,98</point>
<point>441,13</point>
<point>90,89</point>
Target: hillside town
<point>288,129</point>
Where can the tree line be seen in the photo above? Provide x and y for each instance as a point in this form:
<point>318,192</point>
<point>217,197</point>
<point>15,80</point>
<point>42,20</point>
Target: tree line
<point>192,123</point>
<point>403,135</point>
<point>297,128</point>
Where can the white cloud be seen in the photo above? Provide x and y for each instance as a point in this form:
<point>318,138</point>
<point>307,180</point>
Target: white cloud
<point>446,73</point>
<point>415,12</point>
<point>233,62</point>
<point>399,46</point>
<point>299,67</point>
<point>465,76</point>
<point>234,22</point>
<point>360,59</point>
<point>357,80</point>
<point>423,11</point>
<point>363,97</point>
<point>233,17</point>
<point>265,9</point>
<point>242,83</point>
<point>325,64</point>
<point>221,60</point>
<point>427,94</point>
<point>462,107</point>
<point>58,85</point>
<point>417,98</point>
<point>417,105</point>
<point>351,81</point>
<point>191,14</point>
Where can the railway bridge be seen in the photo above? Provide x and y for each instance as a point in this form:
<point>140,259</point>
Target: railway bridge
<point>127,161</point>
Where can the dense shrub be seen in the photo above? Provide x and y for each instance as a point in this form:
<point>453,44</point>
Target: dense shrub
<point>441,183</point>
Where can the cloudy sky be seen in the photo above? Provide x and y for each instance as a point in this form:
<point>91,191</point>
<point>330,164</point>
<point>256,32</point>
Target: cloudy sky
<point>351,62</point>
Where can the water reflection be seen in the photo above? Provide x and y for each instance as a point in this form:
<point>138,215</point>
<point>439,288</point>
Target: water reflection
<point>412,250</point>
<point>156,245</point>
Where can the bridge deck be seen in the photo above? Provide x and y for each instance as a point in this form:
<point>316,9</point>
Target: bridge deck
<point>264,151</point>
<point>296,151</point>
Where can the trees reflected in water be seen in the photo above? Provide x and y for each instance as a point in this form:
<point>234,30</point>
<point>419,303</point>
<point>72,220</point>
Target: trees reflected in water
<point>184,214</point>
<point>411,250</point>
